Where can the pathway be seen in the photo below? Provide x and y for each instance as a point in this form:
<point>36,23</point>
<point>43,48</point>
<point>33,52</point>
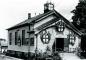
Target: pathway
<point>3,57</point>
<point>69,56</point>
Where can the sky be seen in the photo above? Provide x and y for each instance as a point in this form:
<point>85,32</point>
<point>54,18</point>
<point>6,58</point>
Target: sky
<point>13,12</point>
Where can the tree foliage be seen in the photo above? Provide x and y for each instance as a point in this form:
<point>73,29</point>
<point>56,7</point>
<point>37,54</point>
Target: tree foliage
<point>79,17</point>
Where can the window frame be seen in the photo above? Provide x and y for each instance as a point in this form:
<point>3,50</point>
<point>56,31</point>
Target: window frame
<point>16,37</point>
<point>23,38</point>
<point>72,38</point>
<point>44,37</point>
<point>51,7</point>
<point>32,41</point>
<point>10,38</point>
<point>60,26</point>
<point>19,41</point>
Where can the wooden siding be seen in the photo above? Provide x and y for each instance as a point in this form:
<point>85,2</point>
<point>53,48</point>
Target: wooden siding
<point>22,48</point>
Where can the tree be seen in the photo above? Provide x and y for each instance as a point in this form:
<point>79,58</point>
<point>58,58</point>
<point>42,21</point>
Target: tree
<point>79,20</point>
<point>79,17</point>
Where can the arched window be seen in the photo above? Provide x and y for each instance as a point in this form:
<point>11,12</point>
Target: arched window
<point>72,38</point>
<point>45,37</point>
<point>60,26</point>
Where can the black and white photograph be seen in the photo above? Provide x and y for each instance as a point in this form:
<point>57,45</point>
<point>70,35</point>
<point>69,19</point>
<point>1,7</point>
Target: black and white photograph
<point>42,29</point>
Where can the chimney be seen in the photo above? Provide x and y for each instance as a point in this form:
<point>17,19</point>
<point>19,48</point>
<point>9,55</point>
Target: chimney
<point>29,15</point>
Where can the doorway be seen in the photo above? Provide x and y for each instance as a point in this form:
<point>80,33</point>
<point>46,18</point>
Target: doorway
<point>58,44</point>
<point>83,43</point>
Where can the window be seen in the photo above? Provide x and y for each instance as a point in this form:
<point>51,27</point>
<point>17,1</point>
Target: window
<point>51,7</point>
<point>71,38</point>
<point>27,41</point>
<point>16,37</point>
<point>10,38</point>
<point>32,41</point>
<point>23,37</point>
<point>31,28</point>
<point>45,37</point>
<point>60,26</point>
<point>19,41</point>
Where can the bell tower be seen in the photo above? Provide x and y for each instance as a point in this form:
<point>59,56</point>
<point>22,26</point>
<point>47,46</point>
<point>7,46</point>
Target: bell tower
<point>48,7</point>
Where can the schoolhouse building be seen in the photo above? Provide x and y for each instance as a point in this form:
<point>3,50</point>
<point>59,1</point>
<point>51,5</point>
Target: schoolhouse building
<point>48,31</point>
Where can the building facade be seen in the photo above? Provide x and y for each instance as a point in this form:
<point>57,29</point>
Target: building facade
<point>49,31</point>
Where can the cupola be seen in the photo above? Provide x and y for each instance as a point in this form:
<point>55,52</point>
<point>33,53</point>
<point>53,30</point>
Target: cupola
<point>48,7</point>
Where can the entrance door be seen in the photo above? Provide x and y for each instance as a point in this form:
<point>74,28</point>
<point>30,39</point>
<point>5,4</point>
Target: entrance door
<point>58,44</point>
<point>83,43</point>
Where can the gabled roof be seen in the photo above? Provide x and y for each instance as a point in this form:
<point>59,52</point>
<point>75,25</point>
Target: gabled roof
<point>69,24</point>
<point>29,21</point>
<point>33,19</point>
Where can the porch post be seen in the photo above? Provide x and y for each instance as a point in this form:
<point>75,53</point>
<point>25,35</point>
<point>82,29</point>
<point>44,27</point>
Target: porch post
<point>55,45</point>
<point>36,46</point>
<point>28,46</point>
